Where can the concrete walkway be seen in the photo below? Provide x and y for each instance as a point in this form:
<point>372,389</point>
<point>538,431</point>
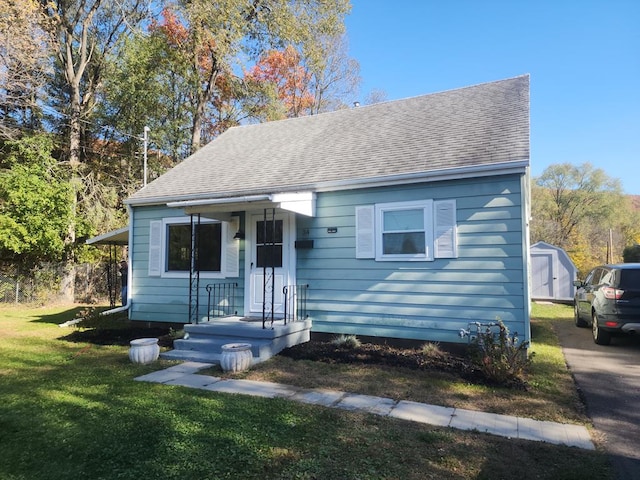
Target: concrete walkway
<point>186,375</point>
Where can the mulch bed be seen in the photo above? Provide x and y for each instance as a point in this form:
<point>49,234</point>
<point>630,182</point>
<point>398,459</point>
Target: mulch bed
<point>454,362</point>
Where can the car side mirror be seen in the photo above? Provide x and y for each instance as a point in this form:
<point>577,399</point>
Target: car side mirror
<point>578,283</point>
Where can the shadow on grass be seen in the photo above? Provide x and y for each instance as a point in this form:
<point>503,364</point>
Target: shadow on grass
<point>61,317</point>
<point>104,330</point>
<point>119,336</point>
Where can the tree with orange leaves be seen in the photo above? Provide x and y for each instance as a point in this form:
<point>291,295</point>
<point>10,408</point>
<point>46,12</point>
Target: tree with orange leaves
<point>210,42</point>
<point>281,73</point>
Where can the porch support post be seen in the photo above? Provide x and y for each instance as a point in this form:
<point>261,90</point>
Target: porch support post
<point>194,271</point>
<point>268,268</point>
<point>111,274</point>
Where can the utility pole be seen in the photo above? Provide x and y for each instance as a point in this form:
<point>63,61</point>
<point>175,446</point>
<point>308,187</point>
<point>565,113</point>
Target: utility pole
<point>146,143</point>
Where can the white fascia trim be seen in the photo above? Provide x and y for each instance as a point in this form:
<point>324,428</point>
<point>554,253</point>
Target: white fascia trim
<point>106,238</point>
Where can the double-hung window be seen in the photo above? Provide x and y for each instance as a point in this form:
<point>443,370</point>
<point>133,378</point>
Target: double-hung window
<point>407,231</point>
<point>404,231</point>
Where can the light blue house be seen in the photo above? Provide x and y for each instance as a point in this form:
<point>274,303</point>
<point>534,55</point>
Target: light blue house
<point>406,219</point>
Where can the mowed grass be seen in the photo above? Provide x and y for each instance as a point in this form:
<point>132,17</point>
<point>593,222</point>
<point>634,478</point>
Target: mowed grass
<point>73,411</point>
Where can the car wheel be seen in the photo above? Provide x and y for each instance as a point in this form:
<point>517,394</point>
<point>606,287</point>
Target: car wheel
<point>599,336</point>
<point>576,316</point>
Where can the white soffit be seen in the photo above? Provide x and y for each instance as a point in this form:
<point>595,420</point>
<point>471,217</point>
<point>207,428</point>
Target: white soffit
<point>303,203</point>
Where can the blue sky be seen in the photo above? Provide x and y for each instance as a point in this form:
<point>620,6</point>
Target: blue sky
<point>583,57</point>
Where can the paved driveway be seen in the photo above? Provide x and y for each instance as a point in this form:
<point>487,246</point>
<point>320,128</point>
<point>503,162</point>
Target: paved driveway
<point>609,377</point>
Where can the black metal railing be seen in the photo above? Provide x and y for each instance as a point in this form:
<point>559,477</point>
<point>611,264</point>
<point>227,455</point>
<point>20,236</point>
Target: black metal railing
<point>194,270</point>
<point>295,302</point>
<point>221,300</point>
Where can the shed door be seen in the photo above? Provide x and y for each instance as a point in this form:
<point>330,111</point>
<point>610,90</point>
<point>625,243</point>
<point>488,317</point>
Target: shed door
<point>542,276</point>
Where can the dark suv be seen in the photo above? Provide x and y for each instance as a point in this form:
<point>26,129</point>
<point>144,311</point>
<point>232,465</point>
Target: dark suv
<point>609,301</point>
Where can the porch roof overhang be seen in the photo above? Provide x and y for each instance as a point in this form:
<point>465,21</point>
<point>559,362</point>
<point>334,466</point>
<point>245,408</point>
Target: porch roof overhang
<point>114,237</point>
<point>303,203</point>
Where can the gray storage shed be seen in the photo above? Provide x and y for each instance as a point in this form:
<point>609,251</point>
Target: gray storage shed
<point>552,273</point>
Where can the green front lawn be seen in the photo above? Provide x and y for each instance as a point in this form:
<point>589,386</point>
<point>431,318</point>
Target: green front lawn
<point>72,411</point>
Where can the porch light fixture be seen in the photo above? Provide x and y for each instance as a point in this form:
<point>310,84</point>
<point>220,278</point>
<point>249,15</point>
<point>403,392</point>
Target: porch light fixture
<point>239,235</point>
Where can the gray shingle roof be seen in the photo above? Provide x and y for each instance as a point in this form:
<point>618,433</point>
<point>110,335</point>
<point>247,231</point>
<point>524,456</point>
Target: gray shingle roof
<point>476,126</point>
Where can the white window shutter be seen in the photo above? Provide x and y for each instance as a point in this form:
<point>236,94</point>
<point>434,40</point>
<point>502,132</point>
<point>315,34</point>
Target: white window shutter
<point>155,248</point>
<point>232,249</point>
<point>365,232</point>
<point>445,229</point>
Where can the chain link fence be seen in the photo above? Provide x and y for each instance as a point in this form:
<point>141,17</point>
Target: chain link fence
<point>42,284</point>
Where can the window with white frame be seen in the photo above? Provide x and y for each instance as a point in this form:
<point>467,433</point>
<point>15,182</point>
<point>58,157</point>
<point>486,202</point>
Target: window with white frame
<point>407,231</point>
<point>170,248</point>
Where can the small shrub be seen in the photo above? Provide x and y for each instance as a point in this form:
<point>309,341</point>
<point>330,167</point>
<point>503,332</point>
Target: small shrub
<point>432,350</point>
<point>176,334</point>
<point>346,341</point>
<point>500,357</point>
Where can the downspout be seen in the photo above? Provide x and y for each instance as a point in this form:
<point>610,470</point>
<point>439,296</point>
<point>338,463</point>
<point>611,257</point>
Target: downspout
<point>127,305</point>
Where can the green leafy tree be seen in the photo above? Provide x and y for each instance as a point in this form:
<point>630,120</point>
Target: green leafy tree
<point>335,77</point>
<point>24,55</point>
<point>35,203</point>
<point>188,63</point>
<point>86,37</point>
<point>573,207</point>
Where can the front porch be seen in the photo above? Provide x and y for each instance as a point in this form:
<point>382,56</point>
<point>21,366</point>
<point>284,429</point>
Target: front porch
<point>203,341</point>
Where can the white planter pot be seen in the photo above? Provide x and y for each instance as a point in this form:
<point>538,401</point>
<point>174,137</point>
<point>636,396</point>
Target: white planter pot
<point>144,350</point>
<point>236,357</point>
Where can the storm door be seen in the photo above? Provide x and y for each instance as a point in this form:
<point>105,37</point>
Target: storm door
<point>270,262</point>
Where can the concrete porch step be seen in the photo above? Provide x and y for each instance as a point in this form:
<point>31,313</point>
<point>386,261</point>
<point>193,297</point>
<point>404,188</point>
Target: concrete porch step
<point>240,327</point>
<point>203,342</point>
<point>214,344</point>
<point>192,356</point>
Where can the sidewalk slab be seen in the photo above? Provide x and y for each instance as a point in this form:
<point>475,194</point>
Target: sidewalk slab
<point>502,425</point>
<point>423,413</point>
<point>161,376</point>
<point>189,367</point>
<point>556,433</point>
<point>579,436</point>
<point>326,398</point>
<point>366,403</point>
<point>251,387</point>
<point>192,380</point>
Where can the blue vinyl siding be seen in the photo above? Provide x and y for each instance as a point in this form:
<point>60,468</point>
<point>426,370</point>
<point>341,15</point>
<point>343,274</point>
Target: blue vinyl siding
<point>430,300</point>
<point>161,299</point>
